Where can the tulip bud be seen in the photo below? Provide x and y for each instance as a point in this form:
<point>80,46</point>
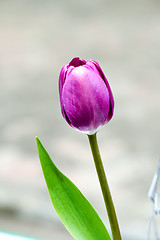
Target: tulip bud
<point>85,95</point>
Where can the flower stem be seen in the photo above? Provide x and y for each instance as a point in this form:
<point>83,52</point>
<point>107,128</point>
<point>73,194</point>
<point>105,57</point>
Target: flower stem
<point>105,188</point>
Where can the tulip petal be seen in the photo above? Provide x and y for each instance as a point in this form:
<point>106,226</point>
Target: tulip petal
<point>111,109</point>
<point>76,62</point>
<point>85,99</point>
<point>62,77</point>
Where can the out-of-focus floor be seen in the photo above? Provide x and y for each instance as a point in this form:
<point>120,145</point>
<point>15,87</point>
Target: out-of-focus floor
<point>36,39</point>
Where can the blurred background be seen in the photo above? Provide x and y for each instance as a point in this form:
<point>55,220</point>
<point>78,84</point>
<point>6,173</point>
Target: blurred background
<point>36,39</point>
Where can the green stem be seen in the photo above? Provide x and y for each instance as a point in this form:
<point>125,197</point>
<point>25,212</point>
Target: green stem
<point>105,188</point>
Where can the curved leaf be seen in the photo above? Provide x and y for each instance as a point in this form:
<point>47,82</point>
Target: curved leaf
<point>76,213</point>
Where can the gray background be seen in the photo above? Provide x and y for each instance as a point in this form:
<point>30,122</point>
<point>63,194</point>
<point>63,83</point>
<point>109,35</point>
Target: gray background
<point>36,39</point>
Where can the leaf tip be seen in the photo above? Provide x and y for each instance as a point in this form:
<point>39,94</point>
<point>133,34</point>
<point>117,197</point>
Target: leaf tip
<point>39,144</point>
<point>37,140</point>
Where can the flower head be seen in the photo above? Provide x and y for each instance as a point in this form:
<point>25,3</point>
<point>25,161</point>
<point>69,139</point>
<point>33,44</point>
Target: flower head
<point>85,95</point>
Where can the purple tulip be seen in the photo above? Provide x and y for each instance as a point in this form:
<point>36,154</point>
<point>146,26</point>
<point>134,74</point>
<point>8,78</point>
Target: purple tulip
<point>85,95</point>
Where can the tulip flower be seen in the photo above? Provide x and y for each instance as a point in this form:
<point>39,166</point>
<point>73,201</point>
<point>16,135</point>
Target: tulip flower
<point>85,96</point>
<point>86,104</point>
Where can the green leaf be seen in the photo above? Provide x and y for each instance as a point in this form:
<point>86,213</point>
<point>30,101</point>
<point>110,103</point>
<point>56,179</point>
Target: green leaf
<point>74,210</point>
